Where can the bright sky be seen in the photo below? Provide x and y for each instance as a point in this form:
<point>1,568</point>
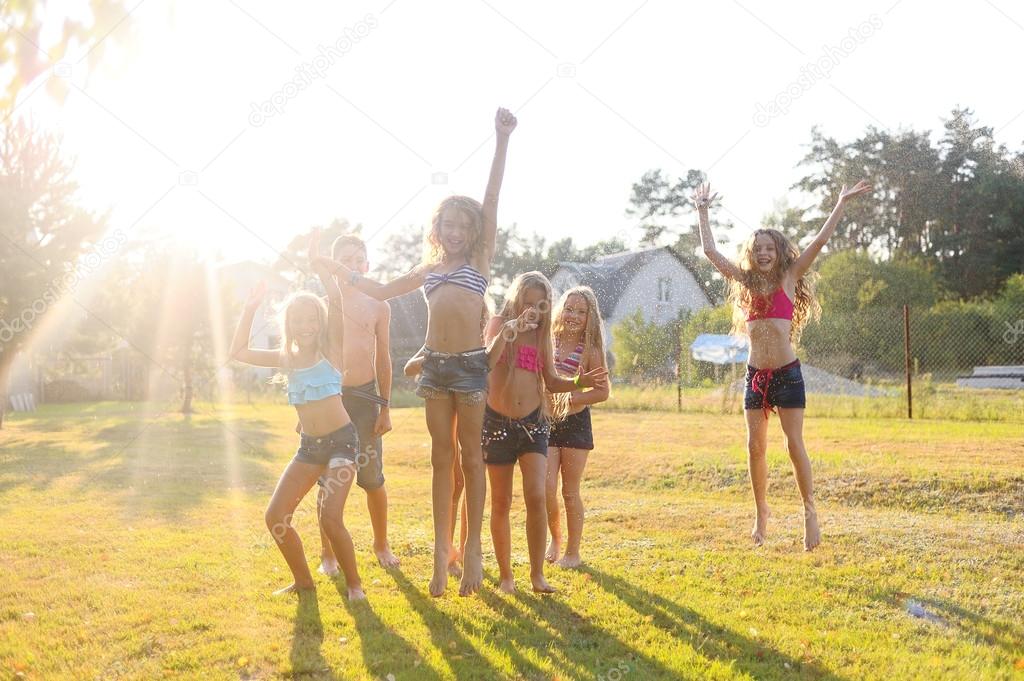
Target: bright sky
<point>164,136</point>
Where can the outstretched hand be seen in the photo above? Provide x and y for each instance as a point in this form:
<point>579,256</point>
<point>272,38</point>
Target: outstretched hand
<point>861,187</point>
<point>702,197</point>
<point>504,122</point>
<point>595,378</point>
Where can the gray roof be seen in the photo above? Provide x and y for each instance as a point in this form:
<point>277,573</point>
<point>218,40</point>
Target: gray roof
<point>610,275</point>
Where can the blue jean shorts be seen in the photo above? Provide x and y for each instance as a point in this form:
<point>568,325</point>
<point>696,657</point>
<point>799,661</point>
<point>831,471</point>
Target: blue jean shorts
<point>766,389</point>
<point>460,373</point>
<point>332,450</point>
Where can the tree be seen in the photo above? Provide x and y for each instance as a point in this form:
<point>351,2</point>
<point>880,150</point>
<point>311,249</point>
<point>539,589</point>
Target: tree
<point>43,233</point>
<point>402,251</point>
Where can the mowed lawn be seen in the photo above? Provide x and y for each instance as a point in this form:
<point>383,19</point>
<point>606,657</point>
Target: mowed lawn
<point>133,547</point>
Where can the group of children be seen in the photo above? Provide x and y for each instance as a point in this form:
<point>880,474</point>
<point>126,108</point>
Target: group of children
<point>499,389</point>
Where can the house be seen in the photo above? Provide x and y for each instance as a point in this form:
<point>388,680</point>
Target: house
<point>654,281</point>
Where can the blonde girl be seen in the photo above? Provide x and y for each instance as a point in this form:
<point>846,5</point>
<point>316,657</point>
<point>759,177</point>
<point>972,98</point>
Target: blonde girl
<point>578,347</point>
<point>310,356</point>
<point>516,421</point>
<point>772,292</point>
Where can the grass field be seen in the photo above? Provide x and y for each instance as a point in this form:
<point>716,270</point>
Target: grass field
<point>133,547</point>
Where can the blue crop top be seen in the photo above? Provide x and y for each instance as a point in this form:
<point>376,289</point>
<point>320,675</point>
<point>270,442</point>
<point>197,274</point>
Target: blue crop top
<point>313,383</point>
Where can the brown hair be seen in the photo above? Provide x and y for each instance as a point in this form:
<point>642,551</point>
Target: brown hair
<point>347,240</point>
<point>470,207</point>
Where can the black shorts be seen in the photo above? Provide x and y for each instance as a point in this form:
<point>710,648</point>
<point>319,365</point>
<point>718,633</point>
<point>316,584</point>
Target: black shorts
<point>575,432</point>
<point>505,439</point>
<point>769,388</point>
<point>332,450</point>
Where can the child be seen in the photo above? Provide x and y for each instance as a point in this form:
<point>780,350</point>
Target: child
<point>773,297</point>
<point>516,422</point>
<point>367,365</point>
<point>310,353</point>
<point>579,347</point>
<point>453,379</point>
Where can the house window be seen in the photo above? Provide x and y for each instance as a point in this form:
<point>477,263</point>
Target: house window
<point>664,290</point>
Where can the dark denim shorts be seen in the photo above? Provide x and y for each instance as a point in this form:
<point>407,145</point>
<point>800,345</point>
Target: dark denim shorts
<point>575,432</point>
<point>462,373</point>
<point>364,412</point>
<point>505,439</point>
<point>783,387</point>
<point>332,450</point>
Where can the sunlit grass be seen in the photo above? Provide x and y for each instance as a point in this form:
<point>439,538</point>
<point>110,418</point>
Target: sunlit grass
<point>134,548</point>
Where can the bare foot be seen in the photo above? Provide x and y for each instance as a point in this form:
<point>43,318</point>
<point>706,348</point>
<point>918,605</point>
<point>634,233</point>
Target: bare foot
<point>812,533</point>
<point>508,585</point>
<point>386,559</point>
<point>760,530</point>
<point>356,593</point>
<point>454,569</point>
<point>568,561</point>
<point>541,586</point>
<point>554,549</point>
<point>328,567</point>
<point>294,589</point>
<point>472,572</point>
<point>439,582</point>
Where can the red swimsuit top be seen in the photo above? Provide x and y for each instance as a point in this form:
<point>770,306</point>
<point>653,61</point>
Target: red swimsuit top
<point>778,307</point>
<point>527,358</point>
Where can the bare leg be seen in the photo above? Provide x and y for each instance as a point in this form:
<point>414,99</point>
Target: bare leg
<point>501,534</point>
<point>793,426</point>
<point>295,482</point>
<point>377,505</point>
<point>534,467</point>
<point>458,484</point>
<point>338,484</point>
<point>328,562</point>
<point>471,417</point>
<point>551,497</point>
<point>757,448</point>
<point>573,463</point>
<point>440,414</point>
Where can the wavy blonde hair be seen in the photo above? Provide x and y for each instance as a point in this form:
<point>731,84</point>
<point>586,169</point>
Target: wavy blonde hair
<point>514,305</point>
<point>593,332</point>
<point>469,206</point>
<point>748,294</point>
<point>286,312</point>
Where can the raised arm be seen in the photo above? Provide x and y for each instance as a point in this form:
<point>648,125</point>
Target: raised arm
<point>240,350</point>
<point>703,198</point>
<point>410,281</point>
<point>806,258</point>
<point>335,303</point>
<point>504,124</point>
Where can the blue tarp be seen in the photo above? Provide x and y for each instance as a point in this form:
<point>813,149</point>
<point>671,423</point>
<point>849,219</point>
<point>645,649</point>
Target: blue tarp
<point>720,349</point>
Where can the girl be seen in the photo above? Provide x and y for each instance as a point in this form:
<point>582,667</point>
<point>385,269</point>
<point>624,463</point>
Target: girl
<point>453,378</point>
<point>579,347</point>
<point>310,353</point>
<point>773,297</point>
<point>516,422</point>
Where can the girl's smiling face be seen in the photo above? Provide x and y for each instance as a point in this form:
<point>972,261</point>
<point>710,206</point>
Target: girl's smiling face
<point>535,304</point>
<point>456,232</point>
<point>764,253</point>
<point>304,323</point>
<point>574,313</point>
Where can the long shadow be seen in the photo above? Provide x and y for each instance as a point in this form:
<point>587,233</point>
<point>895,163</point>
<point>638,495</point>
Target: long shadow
<point>307,639</point>
<point>443,631</point>
<point>588,651</point>
<point>710,639</point>
<point>384,650</point>
<point>1005,634</point>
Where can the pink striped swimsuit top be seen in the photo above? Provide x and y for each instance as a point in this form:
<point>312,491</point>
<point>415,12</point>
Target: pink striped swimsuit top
<point>570,364</point>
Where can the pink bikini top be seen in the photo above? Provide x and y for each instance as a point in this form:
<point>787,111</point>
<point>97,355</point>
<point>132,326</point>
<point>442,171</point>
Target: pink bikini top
<point>527,358</point>
<point>778,307</point>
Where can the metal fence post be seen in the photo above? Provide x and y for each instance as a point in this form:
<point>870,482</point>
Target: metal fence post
<point>906,358</point>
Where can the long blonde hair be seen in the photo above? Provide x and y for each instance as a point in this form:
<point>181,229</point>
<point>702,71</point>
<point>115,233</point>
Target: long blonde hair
<point>514,306</point>
<point>593,333</point>
<point>747,293</point>
<point>284,316</point>
<point>469,206</point>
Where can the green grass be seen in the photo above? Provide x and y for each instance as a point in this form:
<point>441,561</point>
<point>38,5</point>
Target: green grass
<point>133,547</point>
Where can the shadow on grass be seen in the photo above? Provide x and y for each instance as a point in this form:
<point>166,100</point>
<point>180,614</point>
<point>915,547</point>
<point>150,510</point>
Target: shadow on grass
<point>711,640</point>
<point>384,650</point>
<point>307,638</point>
<point>1003,634</point>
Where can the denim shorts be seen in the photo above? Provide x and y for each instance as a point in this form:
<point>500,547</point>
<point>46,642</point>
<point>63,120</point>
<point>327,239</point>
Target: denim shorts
<point>575,432</point>
<point>364,412</point>
<point>332,450</point>
<point>769,388</point>
<point>460,373</point>
<point>505,439</point>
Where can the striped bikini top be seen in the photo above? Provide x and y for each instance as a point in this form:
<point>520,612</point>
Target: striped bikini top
<point>465,276</point>
<point>570,364</point>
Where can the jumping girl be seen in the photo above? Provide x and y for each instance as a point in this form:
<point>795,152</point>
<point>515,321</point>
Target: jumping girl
<point>772,292</point>
<point>310,353</point>
<point>453,378</point>
<point>516,422</point>
<point>579,347</point>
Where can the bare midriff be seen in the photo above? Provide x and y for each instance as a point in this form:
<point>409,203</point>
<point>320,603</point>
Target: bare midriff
<point>769,343</point>
<point>513,391</point>
<point>454,319</point>
<point>322,417</point>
